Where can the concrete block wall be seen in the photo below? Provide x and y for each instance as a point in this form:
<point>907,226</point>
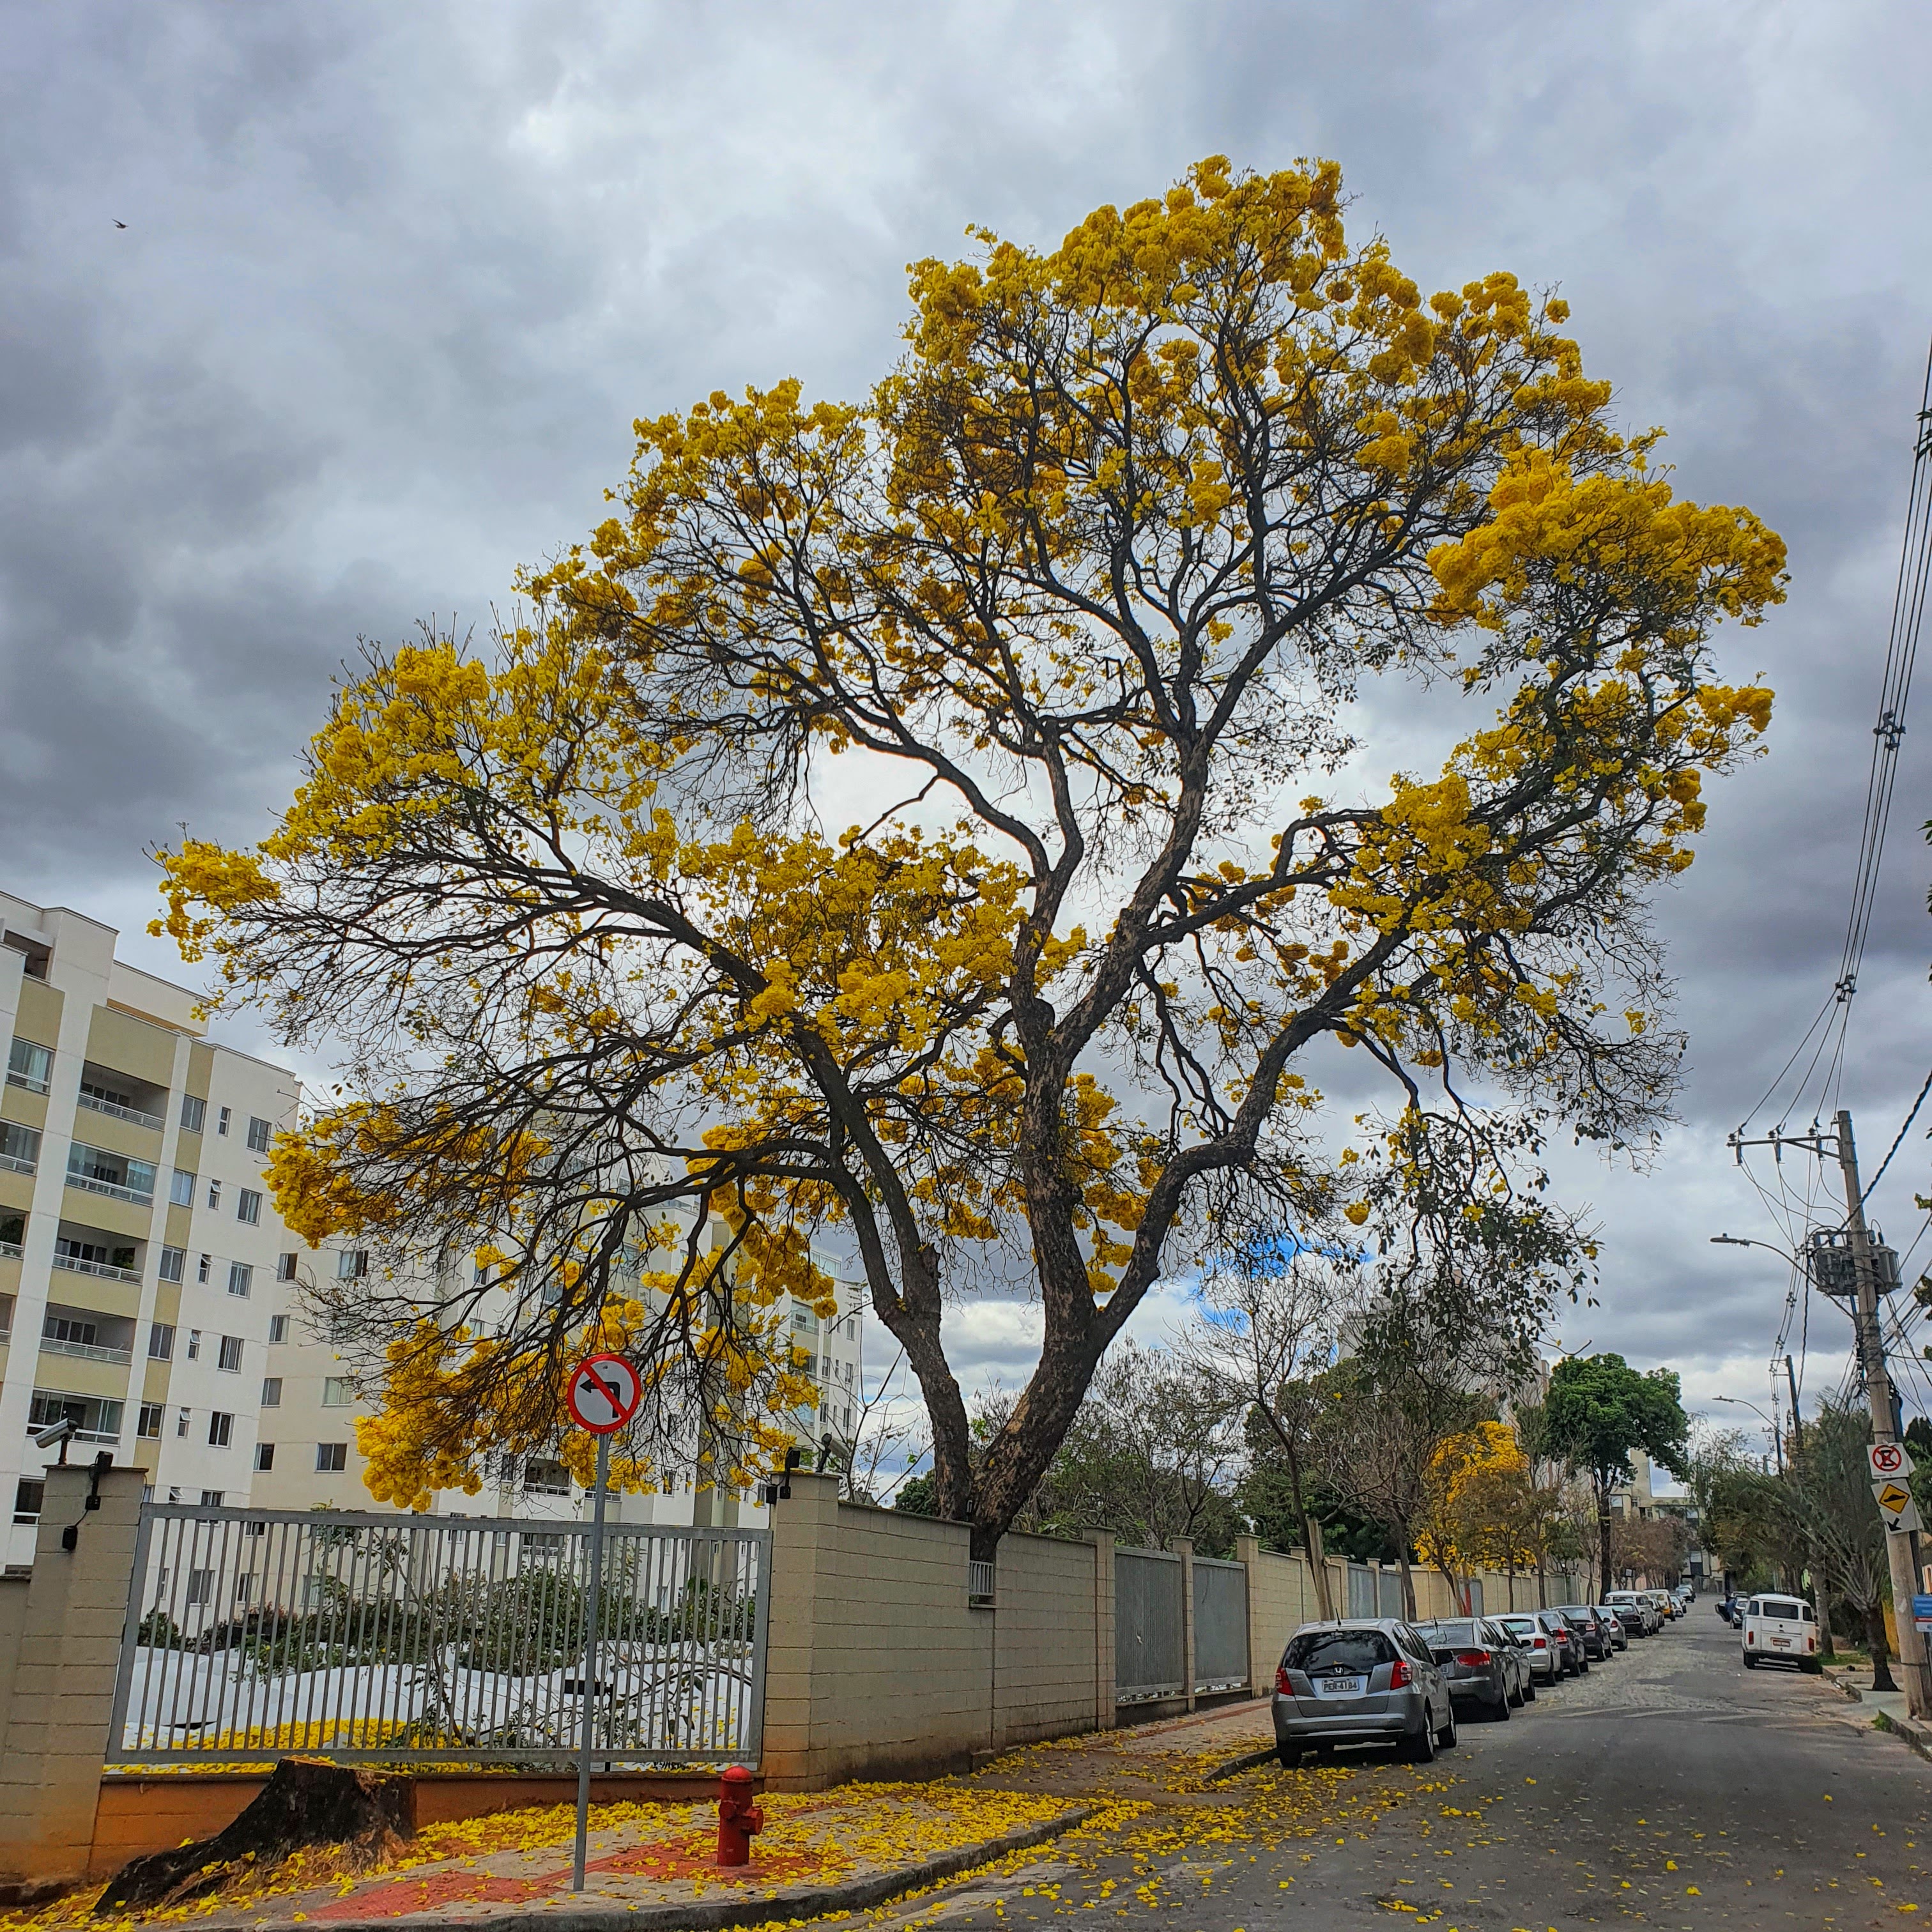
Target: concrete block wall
<point>877,1665</point>
<point>62,1689</point>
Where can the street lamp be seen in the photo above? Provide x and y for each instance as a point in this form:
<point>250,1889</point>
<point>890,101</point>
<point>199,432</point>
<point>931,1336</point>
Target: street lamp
<point>1776,1435</point>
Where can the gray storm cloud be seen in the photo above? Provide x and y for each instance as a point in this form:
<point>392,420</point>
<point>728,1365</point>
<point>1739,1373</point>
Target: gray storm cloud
<point>395,281</point>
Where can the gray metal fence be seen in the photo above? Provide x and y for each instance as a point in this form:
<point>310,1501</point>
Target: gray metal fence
<point>1361,1590</point>
<point>1388,1594</point>
<point>1220,1624</point>
<point>362,1636</point>
<point>1149,1642</point>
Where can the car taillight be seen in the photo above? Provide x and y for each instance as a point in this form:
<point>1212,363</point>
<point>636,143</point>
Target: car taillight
<point>1477,1659</point>
<point>1281,1683</point>
<point>1398,1678</point>
<point>1538,1643</point>
<point>1751,1637</point>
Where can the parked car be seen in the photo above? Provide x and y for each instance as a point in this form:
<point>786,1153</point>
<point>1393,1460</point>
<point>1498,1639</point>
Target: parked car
<point>1365,1680</point>
<point>1780,1630</point>
<point>1480,1664</point>
<point>1541,1651</point>
<point>1652,1621</point>
<point>1666,1605</point>
<point>1614,1624</point>
<point>1593,1640</point>
<point>1632,1618</point>
<point>1580,1654</point>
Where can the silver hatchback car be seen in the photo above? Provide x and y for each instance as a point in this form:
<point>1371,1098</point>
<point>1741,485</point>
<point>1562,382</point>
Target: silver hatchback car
<point>1369,1680</point>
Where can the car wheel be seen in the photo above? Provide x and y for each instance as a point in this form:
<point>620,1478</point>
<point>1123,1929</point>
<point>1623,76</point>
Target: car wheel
<point>1290,1756</point>
<point>1420,1749</point>
<point>1518,1697</point>
<point>1445,1738</point>
<point>1529,1689</point>
<point>1500,1710</point>
<point>1751,1662</point>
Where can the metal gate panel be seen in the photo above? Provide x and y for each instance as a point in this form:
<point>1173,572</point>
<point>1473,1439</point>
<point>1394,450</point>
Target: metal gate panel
<point>1220,1624</point>
<point>1388,1594</point>
<point>1361,1590</point>
<point>1149,1644</point>
<point>1476,1597</point>
<point>358,1635</point>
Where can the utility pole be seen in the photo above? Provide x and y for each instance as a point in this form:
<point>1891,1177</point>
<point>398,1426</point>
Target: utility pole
<point>1826,1647</point>
<point>1900,1547</point>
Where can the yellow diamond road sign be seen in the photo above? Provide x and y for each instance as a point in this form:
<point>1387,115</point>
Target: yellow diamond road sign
<point>1893,1497</point>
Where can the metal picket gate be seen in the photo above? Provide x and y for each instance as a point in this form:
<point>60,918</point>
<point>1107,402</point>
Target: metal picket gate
<point>1220,1624</point>
<point>360,1637</point>
<point>1149,1643</point>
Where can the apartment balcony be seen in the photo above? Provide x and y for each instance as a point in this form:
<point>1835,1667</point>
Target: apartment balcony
<point>119,1177</point>
<point>101,1270</point>
<point>87,1352</point>
<point>115,1111</point>
<point>122,1096</point>
<point>87,1335</point>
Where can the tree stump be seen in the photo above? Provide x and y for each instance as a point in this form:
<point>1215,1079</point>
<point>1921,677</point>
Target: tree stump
<point>307,1802</point>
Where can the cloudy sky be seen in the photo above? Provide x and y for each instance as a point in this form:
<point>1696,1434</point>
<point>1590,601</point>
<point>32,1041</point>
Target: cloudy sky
<point>395,281</point>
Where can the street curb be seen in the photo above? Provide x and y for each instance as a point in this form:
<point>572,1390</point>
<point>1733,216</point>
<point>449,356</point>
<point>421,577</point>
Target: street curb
<point>715,1914</point>
<point>1247,1761</point>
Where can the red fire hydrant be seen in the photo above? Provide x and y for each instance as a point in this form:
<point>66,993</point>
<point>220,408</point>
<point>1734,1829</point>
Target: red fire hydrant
<point>738,1817</point>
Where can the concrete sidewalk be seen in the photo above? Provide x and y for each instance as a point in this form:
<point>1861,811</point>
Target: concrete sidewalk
<point>652,1865</point>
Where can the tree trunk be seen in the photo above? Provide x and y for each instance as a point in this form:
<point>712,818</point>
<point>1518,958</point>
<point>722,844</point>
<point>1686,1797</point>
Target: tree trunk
<point>1407,1580</point>
<point>1875,1636</point>
<point>1604,1539</point>
<point>1311,1532</point>
<point>365,1814</point>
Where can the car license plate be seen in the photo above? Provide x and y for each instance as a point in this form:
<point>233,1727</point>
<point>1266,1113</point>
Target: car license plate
<point>1780,1643</point>
<point>1343,1687</point>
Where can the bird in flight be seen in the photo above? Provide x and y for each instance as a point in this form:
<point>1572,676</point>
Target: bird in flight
<point>120,224</point>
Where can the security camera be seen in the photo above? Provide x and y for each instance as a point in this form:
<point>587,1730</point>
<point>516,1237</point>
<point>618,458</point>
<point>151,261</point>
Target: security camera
<point>62,1432</point>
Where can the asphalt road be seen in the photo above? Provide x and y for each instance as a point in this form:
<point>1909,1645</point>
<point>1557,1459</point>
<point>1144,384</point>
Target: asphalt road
<point>1669,1788</point>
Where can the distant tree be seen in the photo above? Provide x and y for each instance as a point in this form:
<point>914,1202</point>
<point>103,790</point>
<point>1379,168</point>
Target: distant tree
<point>1830,1500</point>
<point>1652,1547</point>
<point>1599,1411</point>
<point>918,1496</point>
<point>1265,1326</point>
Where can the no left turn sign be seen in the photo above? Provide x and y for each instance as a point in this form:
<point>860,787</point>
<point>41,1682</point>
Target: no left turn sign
<point>603,1394</point>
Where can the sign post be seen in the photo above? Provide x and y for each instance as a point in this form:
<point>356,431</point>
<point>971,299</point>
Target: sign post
<point>603,1394</point>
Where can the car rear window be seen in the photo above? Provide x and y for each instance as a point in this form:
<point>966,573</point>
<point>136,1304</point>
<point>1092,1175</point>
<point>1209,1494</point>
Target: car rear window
<point>1338,1650</point>
<point>1522,1626</point>
<point>1781,1606</point>
<point>1450,1634</point>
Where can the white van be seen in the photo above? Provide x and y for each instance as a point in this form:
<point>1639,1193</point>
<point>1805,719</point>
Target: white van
<point>1782,1630</point>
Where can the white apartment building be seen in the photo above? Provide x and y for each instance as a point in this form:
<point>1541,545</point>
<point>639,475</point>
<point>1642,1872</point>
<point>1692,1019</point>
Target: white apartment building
<point>306,1456</point>
<point>139,1251</point>
<point>149,1292</point>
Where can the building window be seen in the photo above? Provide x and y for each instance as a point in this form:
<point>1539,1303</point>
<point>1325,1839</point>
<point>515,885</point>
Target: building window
<point>285,1267</point>
<point>272,1391</point>
<point>147,1423</point>
<point>62,1328</point>
<point>231,1355</point>
<point>204,1268</point>
<point>352,1264</point>
<point>258,1131</point>
<point>212,1498</point>
<point>180,1429</point>
<point>330,1458</point>
<point>221,1124</point>
<point>278,1330</point>
<point>193,1111</point>
<point>214,1194</point>
<point>174,1264</point>
<point>20,1147</point>
<point>221,1429</point>
<point>161,1342</point>
<point>181,1190</point>
<point>28,1495</point>
<point>265,1457</point>
<point>240,1279</point>
<point>194,1345</point>
<point>248,1207</point>
<point>337,1391</point>
<point>29,1066</point>
<point>200,1587</point>
<point>544,1477</point>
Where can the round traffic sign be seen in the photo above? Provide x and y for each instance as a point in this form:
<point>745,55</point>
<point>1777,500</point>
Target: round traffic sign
<point>1887,1459</point>
<point>603,1394</point>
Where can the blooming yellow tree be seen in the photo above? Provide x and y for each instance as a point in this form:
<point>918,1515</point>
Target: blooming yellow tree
<point>1064,624</point>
